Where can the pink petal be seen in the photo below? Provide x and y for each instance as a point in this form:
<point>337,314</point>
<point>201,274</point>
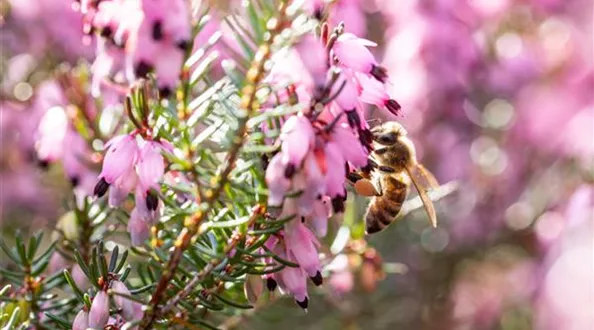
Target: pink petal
<point>349,145</point>
<point>278,184</point>
<point>336,170</point>
<point>297,136</point>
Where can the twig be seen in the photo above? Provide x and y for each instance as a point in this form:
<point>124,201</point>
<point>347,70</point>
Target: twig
<point>212,264</point>
<point>254,76</point>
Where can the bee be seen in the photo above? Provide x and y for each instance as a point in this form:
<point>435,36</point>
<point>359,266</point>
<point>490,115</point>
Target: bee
<point>393,167</point>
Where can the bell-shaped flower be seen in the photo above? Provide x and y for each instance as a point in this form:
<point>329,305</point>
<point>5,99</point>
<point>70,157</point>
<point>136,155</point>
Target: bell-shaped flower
<point>348,90</point>
<point>76,150</point>
<point>314,57</point>
<point>336,170</point>
<point>278,183</point>
<point>301,243</point>
<point>150,168</point>
<point>294,281</point>
<point>120,157</point>
<point>122,187</point>
<point>99,313</point>
<point>138,226</point>
<point>318,220</point>
<point>128,307</point>
<point>349,145</point>
<point>374,92</point>
<point>297,136</point>
<point>310,180</point>
<point>352,53</point>
<point>81,321</point>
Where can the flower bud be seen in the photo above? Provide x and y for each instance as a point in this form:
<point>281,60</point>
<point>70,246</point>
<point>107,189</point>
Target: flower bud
<point>99,313</point>
<point>126,305</point>
<point>81,322</point>
<point>138,227</point>
<point>79,277</point>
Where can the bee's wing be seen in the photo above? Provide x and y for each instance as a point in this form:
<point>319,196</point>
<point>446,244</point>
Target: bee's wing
<point>423,175</point>
<point>418,176</point>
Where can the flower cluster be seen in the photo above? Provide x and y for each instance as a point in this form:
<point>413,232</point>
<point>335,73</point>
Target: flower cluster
<point>137,37</point>
<point>320,145</point>
<point>56,140</point>
<point>98,316</point>
<point>133,163</point>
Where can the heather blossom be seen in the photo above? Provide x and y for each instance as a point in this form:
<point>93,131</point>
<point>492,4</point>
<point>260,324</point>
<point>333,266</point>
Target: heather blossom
<point>137,37</point>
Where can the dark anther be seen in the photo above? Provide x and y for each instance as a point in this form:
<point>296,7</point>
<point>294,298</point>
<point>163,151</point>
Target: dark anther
<point>302,304</point>
<point>43,164</point>
<point>106,32</point>
<point>290,171</point>
<point>152,201</point>
<point>318,280</point>
<point>302,219</point>
<point>270,284</point>
<point>164,92</point>
<point>183,45</point>
<point>101,188</point>
<point>338,204</point>
<point>318,14</point>
<point>74,181</point>
<point>353,118</point>
<point>380,73</point>
<point>157,30</point>
<point>142,69</point>
<point>393,106</point>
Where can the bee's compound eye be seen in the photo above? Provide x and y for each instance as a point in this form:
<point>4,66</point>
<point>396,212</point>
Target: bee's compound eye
<point>386,138</point>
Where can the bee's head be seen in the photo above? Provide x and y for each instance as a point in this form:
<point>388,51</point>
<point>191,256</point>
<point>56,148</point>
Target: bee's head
<point>387,134</point>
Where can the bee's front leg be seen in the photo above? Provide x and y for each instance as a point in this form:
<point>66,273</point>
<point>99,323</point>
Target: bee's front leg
<point>386,169</point>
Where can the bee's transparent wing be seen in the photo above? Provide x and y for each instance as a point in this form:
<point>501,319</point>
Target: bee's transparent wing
<point>423,181</point>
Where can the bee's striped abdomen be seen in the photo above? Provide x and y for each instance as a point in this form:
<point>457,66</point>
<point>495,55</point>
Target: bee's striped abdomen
<point>383,209</point>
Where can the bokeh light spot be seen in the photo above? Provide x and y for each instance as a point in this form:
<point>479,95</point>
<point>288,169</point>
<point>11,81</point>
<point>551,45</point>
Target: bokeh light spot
<point>434,239</point>
<point>519,216</point>
<point>499,114</point>
<point>509,45</point>
<point>23,91</point>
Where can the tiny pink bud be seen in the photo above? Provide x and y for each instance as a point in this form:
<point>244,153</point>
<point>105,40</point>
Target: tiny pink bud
<point>81,321</point>
<point>80,278</point>
<point>127,306</point>
<point>99,313</point>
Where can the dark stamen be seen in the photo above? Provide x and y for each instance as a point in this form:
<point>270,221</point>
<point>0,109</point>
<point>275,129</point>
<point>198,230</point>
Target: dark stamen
<point>164,92</point>
<point>270,284</point>
<point>157,30</point>
<point>290,171</point>
<point>302,304</point>
<point>183,45</point>
<point>142,69</point>
<point>393,106</point>
<point>152,201</point>
<point>101,188</point>
<point>74,181</point>
<point>380,73</point>
<point>317,279</point>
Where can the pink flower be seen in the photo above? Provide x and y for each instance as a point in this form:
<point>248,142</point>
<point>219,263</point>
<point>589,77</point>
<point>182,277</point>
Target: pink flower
<point>119,159</point>
<point>352,53</point>
<point>314,57</point>
<point>129,308</point>
<point>297,138</point>
<point>349,145</point>
<point>138,226</point>
<point>81,321</point>
<point>318,221</point>
<point>336,173</point>
<point>301,244</point>
<point>277,182</point>
<point>294,281</point>
<point>80,278</point>
<point>374,92</point>
<point>99,313</point>
<point>122,187</point>
<point>150,168</point>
